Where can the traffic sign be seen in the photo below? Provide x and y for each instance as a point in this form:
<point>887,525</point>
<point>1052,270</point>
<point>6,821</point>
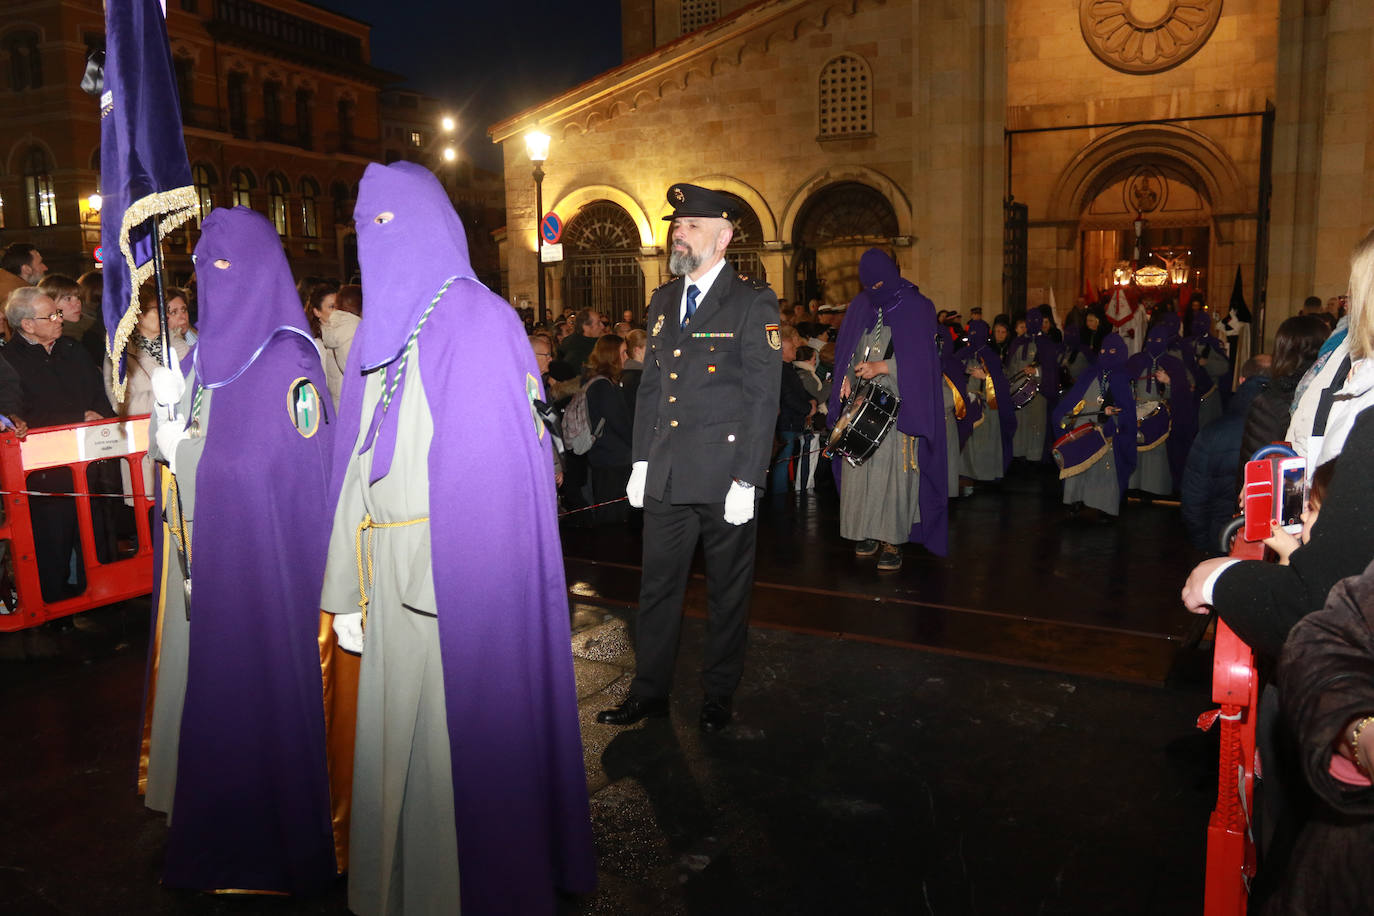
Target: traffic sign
<point>551,227</point>
<point>99,254</point>
<point>551,254</point>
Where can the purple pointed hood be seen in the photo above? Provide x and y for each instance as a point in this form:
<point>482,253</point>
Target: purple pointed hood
<point>882,278</point>
<point>1157,341</point>
<point>1113,353</point>
<point>246,294</point>
<point>978,333</point>
<point>1035,322</point>
<point>405,258</point>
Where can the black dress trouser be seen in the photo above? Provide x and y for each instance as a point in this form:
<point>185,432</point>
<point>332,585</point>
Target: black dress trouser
<point>670,538</point>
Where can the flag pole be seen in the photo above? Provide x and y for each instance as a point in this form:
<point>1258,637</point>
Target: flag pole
<point>164,334</point>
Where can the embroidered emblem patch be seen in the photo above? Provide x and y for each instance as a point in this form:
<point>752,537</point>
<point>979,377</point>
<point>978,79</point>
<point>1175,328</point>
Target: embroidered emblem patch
<point>710,369</point>
<point>304,406</point>
<point>774,338</point>
<point>678,195</point>
<point>658,326</point>
<point>532,392</point>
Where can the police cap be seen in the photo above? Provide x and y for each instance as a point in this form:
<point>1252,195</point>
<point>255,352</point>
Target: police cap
<point>690,200</point>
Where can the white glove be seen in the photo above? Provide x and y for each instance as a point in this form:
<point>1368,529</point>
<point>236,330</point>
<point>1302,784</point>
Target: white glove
<point>168,385</point>
<point>634,490</point>
<point>170,434</point>
<point>739,503</point>
<point>349,629</point>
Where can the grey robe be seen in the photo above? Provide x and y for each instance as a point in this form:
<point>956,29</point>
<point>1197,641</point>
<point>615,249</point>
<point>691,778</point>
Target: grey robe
<point>1152,473</point>
<point>880,499</point>
<point>172,629</point>
<point>1029,439</point>
<point>982,455</point>
<point>1097,487</point>
<point>403,842</point>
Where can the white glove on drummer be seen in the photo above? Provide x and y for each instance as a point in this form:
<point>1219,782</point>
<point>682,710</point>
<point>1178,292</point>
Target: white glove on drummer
<point>634,489</point>
<point>349,630</point>
<point>739,503</point>
<point>168,386</point>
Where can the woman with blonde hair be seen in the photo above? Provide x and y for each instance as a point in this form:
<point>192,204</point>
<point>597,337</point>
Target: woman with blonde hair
<point>143,353</point>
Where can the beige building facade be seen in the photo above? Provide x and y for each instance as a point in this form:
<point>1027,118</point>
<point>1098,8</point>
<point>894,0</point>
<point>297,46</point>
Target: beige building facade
<point>1000,148</point>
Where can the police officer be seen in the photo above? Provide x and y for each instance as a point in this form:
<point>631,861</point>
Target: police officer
<point>703,433</point>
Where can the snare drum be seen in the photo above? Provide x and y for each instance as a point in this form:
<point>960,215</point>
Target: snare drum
<point>865,420</point>
<point>1152,424</point>
<point>1024,385</point>
<point>1080,448</point>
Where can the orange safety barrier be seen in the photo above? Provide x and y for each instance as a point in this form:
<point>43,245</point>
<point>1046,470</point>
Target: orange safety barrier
<point>1230,842</point>
<point>126,571</point>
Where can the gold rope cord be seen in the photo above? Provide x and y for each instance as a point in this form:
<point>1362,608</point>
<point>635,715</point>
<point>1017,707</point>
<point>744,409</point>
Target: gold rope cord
<point>365,573</point>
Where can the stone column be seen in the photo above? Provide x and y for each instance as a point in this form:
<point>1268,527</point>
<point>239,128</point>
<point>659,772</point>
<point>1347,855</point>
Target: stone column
<point>960,90</point>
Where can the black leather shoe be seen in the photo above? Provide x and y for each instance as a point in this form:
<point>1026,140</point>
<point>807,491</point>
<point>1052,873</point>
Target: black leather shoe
<point>715,714</point>
<point>633,709</point>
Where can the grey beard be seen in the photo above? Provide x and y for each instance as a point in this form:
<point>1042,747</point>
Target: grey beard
<point>680,264</point>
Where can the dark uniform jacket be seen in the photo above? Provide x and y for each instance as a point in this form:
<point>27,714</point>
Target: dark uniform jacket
<point>708,400</point>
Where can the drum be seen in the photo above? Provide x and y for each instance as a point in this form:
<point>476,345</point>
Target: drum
<point>1024,385</point>
<point>1080,448</point>
<point>1152,424</point>
<point>865,419</point>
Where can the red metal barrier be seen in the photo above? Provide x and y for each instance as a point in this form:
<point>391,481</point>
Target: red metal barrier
<point>76,446</point>
<point>1235,687</point>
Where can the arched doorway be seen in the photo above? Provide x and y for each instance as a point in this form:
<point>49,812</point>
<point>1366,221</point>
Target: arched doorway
<point>1163,202</point>
<point>745,253</point>
<point>602,261</point>
<point>834,228</point>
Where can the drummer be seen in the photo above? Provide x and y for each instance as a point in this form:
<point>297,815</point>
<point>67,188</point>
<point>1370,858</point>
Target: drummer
<point>1164,405</point>
<point>1100,410</point>
<point>1035,357</point>
<point>901,492</point>
<point>987,453</point>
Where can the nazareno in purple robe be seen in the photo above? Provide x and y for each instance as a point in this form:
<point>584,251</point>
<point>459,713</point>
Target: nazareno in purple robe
<point>952,367</point>
<point>911,316</point>
<point>981,353</point>
<point>1182,407</point>
<point>1110,371</point>
<point>251,809</point>
<point>519,784</point>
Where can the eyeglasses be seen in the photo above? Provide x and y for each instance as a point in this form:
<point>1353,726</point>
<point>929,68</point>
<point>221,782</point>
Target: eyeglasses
<point>543,356</point>
<point>55,316</point>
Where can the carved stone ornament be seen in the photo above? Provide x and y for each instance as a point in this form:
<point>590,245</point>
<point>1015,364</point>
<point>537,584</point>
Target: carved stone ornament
<point>1146,36</point>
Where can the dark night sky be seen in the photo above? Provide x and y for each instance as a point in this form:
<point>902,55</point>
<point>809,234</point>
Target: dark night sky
<point>492,58</point>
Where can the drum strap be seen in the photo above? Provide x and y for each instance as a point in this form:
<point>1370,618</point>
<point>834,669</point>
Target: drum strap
<point>1329,396</point>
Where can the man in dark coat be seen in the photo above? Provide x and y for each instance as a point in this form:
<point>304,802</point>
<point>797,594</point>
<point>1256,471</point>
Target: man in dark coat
<point>577,346</point>
<point>1209,478</point>
<point>703,434</point>
<point>59,385</point>
<point>795,408</point>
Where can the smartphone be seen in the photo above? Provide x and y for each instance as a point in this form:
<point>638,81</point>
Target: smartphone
<point>1293,478</point>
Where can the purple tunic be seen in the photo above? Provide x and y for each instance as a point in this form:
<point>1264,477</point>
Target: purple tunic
<point>911,316</point>
<point>519,785</point>
<point>251,808</point>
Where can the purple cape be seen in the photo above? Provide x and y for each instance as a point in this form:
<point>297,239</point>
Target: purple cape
<point>911,316</point>
<point>979,348</point>
<point>1110,368</point>
<point>953,369</point>
<point>519,785</point>
<point>251,809</point>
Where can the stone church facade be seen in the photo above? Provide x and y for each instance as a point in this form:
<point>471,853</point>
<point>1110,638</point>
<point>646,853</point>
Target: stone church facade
<point>1000,149</point>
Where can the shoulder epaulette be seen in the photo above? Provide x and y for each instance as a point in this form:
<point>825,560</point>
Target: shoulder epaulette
<point>751,282</point>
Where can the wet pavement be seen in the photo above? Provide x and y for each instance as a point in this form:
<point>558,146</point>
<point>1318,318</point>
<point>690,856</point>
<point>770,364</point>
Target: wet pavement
<point>1009,730</point>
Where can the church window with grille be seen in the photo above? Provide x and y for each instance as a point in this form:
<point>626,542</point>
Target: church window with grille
<point>602,266</point>
<point>310,208</point>
<point>697,13</point>
<point>845,97</point>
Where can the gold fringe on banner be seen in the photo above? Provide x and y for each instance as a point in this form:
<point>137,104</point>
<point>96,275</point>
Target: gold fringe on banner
<point>175,207</point>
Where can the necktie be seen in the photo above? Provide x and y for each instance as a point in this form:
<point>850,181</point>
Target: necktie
<point>692,293</point>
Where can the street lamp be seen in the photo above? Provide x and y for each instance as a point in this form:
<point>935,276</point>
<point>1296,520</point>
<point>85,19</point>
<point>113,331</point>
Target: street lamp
<point>448,124</point>
<point>537,145</point>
